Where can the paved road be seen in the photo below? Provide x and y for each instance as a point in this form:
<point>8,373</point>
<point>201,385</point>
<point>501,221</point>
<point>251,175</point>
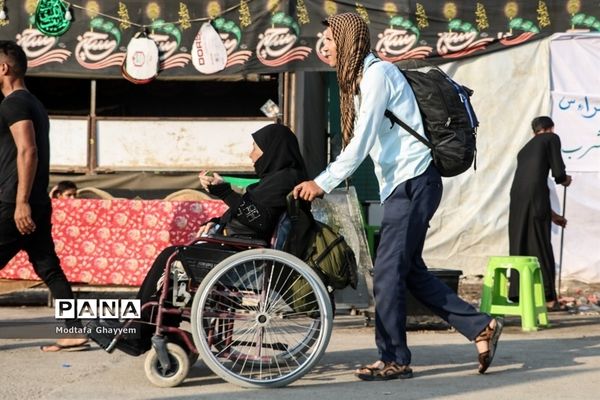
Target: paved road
<point>562,362</point>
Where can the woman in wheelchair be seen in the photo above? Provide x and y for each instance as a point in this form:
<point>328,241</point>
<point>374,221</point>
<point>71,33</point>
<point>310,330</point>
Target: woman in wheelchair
<point>253,215</point>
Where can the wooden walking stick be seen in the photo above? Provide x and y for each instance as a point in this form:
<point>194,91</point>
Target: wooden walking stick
<point>562,237</point>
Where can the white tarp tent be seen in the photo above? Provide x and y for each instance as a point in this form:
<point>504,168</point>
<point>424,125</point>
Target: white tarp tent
<point>575,78</point>
<point>511,88</point>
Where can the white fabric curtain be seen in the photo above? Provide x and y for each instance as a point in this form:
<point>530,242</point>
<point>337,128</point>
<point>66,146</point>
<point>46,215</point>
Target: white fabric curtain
<point>511,88</point>
<point>576,112</point>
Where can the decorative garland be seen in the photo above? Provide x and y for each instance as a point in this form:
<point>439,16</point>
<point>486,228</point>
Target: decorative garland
<point>404,23</point>
<point>224,25</point>
<point>53,18</point>
<point>281,18</point>
<point>588,21</point>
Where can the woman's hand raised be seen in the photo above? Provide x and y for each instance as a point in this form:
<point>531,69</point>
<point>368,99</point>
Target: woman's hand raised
<point>209,178</point>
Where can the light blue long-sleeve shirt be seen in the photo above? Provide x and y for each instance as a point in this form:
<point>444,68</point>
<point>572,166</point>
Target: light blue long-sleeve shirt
<point>396,154</point>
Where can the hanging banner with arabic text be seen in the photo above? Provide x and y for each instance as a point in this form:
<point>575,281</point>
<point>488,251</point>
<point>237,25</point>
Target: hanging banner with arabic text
<point>576,99</point>
<point>577,121</point>
<point>90,38</point>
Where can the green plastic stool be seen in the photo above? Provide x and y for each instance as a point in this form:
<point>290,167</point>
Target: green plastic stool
<point>371,231</point>
<point>532,302</point>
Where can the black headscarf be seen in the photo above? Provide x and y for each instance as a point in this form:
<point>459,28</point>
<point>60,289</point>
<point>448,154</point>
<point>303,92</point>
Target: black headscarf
<point>280,168</point>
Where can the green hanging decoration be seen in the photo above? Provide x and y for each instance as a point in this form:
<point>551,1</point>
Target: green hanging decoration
<point>50,17</point>
<point>169,28</point>
<point>102,25</point>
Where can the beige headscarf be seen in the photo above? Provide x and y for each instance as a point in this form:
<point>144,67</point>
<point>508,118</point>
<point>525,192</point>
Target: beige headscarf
<point>353,43</point>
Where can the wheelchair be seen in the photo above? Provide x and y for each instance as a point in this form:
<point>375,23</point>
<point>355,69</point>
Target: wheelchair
<point>259,317</point>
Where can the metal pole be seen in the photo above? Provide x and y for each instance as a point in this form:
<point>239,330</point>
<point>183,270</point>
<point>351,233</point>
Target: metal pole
<point>562,238</point>
<point>92,148</point>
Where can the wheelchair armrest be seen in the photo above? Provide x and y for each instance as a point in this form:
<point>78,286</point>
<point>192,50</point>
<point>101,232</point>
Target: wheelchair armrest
<point>233,241</point>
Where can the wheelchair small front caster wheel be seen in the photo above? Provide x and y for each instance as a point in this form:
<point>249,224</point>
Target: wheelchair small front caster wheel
<point>172,376</point>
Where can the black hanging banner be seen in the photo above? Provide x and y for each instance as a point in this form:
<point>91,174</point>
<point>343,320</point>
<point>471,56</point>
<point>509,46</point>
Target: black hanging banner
<point>88,39</point>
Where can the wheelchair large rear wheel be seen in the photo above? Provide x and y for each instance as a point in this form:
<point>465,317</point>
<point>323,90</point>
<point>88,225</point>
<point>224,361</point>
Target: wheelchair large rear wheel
<point>261,318</point>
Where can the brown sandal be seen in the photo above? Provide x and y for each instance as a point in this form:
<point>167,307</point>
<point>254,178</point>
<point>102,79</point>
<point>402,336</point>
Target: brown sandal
<point>490,335</point>
<point>383,371</point>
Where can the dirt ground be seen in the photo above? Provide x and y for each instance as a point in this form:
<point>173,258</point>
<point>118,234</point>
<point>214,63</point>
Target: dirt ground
<point>560,362</point>
<point>469,288</point>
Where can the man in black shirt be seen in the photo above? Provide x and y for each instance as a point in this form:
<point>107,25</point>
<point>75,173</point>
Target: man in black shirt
<point>25,208</point>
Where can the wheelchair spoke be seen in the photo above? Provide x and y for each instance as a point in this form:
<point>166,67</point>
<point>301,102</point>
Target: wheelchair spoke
<point>275,337</point>
<point>277,298</point>
<point>266,293</point>
<point>247,278</point>
<point>289,291</point>
<point>240,354</point>
<point>302,335</point>
<point>276,362</point>
<point>228,335</point>
<point>222,308</point>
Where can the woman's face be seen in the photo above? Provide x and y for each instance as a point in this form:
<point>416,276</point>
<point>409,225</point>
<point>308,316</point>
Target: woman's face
<point>329,48</point>
<point>544,130</point>
<point>255,153</point>
<point>68,194</point>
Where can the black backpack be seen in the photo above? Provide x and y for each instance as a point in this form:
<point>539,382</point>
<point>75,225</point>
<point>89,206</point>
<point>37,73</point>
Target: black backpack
<point>448,118</point>
<point>321,247</point>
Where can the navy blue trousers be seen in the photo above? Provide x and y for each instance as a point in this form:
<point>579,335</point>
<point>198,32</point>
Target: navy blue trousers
<point>400,267</point>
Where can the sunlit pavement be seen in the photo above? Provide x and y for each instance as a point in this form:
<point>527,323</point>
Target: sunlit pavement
<point>561,362</point>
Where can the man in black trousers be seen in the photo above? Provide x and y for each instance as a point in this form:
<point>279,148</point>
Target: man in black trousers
<point>25,207</point>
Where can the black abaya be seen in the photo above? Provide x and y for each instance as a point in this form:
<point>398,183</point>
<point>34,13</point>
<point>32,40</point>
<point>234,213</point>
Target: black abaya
<point>254,214</point>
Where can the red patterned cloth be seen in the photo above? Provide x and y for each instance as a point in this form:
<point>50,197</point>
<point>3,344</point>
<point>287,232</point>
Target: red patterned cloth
<point>114,242</point>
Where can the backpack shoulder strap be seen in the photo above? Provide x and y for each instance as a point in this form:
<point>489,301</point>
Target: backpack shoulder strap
<point>410,130</point>
<point>329,247</point>
<point>375,60</point>
<point>397,120</point>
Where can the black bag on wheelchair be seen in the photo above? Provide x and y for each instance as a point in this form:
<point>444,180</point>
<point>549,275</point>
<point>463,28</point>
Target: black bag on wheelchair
<point>332,257</point>
<point>322,248</point>
<point>303,299</point>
